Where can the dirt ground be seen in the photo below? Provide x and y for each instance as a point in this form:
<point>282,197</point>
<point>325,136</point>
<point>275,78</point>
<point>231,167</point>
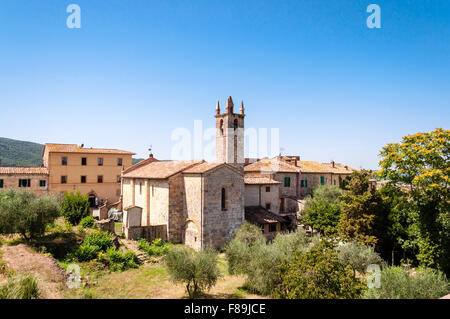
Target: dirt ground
<point>51,277</point>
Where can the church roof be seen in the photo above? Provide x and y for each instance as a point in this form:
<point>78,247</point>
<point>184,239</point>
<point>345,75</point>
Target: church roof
<point>208,166</point>
<point>160,169</point>
<point>203,167</point>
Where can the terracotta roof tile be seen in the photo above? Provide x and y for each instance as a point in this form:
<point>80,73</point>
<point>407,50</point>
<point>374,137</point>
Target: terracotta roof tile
<point>74,148</point>
<point>259,215</point>
<point>252,180</point>
<point>271,165</point>
<point>31,170</point>
<point>317,167</point>
<point>208,166</point>
<point>203,167</point>
<point>160,169</point>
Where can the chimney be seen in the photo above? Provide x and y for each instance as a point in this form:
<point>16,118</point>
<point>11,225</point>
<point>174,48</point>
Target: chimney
<point>332,164</point>
<point>346,167</point>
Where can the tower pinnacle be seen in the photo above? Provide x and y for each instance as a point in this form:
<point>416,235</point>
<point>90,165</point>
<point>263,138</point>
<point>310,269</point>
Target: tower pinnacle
<point>230,105</point>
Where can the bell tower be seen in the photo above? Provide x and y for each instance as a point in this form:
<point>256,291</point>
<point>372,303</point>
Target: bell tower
<point>230,134</point>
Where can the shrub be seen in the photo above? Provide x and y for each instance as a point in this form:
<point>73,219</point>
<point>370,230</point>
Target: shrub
<point>197,270</point>
<point>75,207</point>
<point>95,242</point>
<point>316,274</point>
<point>358,256</point>
<point>24,213</point>
<point>86,252</point>
<point>20,287</point>
<point>118,261</point>
<point>99,238</point>
<point>259,260</point>
<point>398,283</point>
<point>156,248</point>
<point>87,222</point>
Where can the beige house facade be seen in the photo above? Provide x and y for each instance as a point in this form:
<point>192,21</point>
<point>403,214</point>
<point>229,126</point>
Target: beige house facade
<point>34,179</point>
<point>92,171</point>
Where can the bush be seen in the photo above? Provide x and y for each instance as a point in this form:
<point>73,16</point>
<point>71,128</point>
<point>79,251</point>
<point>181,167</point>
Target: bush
<point>75,207</point>
<point>20,287</point>
<point>358,256</point>
<point>95,242</point>
<point>197,270</point>
<point>99,238</point>
<point>156,248</point>
<point>118,261</point>
<point>398,283</point>
<point>316,274</point>
<point>24,213</point>
<point>87,222</point>
<point>259,260</point>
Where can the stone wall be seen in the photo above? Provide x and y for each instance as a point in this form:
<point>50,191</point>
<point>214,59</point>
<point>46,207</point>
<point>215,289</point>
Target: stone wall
<point>106,225</point>
<point>193,208</point>
<point>220,226</point>
<point>176,214</point>
<point>150,233</point>
<point>287,191</point>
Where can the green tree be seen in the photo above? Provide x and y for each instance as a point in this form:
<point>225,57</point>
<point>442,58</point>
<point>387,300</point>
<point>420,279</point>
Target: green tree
<point>258,260</point>
<point>317,274</point>
<point>197,270</point>
<point>75,207</point>
<point>420,165</point>
<point>322,211</point>
<point>24,213</point>
<point>363,211</point>
<point>358,256</point>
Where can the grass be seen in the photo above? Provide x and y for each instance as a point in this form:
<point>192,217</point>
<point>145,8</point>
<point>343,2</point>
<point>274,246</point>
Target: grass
<point>152,281</point>
<point>146,282</point>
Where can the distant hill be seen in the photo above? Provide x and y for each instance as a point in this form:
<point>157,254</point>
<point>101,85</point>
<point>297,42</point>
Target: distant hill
<point>20,153</point>
<point>137,160</point>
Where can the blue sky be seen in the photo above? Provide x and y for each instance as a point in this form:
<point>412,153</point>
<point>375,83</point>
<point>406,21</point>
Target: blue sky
<point>136,70</point>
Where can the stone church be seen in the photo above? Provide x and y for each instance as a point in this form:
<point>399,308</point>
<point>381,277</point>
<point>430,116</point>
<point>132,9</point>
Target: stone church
<point>192,202</point>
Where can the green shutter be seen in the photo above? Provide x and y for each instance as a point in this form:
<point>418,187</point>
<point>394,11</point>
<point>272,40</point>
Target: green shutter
<point>322,180</point>
<point>302,183</point>
<point>306,183</point>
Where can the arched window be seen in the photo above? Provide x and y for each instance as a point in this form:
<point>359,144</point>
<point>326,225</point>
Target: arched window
<point>221,127</point>
<point>223,199</point>
<point>235,124</point>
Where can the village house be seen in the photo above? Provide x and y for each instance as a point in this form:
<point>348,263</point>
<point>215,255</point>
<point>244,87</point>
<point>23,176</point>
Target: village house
<point>314,174</point>
<point>92,171</point>
<point>34,179</point>
<point>70,167</point>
